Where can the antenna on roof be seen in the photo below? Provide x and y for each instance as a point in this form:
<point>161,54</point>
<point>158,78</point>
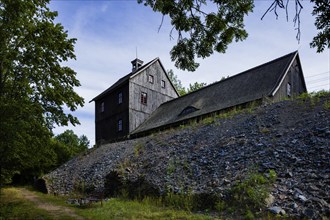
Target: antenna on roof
<point>136,64</point>
<point>136,54</point>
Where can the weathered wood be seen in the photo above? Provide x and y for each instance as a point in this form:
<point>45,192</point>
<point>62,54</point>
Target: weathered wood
<point>157,95</point>
<point>131,112</point>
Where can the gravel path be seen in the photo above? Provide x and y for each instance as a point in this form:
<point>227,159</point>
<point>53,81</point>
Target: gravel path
<point>55,210</point>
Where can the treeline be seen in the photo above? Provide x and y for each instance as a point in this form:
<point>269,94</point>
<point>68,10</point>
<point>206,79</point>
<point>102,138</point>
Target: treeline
<point>35,88</point>
<point>180,88</point>
<point>56,151</point>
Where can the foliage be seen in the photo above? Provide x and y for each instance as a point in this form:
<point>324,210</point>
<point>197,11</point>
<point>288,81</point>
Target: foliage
<point>69,145</point>
<point>14,206</point>
<point>138,149</point>
<point>23,138</point>
<point>171,166</point>
<point>250,194</point>
<point>208,120</point>
<point>311,98</point>
<point>326,104</point>
<point>322,23</point>
<point>34,87</point>
<point>176,83</point>
<point>148,208</point>
<point>201,33</point>
<point>183,201</point>
<point>207,26</point>
<point>181,89</point>
<point>195,86</point>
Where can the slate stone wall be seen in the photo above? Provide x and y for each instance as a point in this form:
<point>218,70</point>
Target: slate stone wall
<point>290,137</point>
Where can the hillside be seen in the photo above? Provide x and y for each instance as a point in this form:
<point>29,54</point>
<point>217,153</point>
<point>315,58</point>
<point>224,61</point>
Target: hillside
<point>209,158</point>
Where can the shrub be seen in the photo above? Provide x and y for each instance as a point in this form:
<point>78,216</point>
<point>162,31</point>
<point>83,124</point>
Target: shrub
<point>208,120</point>
<point>182,201</point>
<point>138,149</point>
<point>250,194</point>
<point>326,104</point>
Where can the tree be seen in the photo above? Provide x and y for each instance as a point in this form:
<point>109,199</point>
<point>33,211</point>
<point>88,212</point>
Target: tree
<point>34,85</point>
<point>322,23</point>
<point>196,86</point>
<point>68,144</point>
<point>201,33</point>
<point>207,26</point>
<point>176,83</point>
<point>73,142</point>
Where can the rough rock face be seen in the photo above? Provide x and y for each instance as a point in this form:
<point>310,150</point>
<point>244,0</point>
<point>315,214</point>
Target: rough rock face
<point>291,137</point>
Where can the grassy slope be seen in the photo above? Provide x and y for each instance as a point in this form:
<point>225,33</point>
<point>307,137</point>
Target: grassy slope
<point>14,206</point>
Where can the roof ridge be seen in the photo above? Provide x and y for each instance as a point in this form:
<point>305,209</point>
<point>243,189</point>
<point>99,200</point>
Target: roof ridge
<point>234,76</point>
<point>128,76</point>
<point>259,66</point>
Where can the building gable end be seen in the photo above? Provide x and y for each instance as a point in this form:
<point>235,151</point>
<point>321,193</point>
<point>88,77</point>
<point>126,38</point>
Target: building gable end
<point>277,86</point>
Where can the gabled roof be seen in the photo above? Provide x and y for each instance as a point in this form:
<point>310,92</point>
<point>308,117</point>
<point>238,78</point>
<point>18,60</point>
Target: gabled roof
<point>250,85</point>
<point>124,79</point>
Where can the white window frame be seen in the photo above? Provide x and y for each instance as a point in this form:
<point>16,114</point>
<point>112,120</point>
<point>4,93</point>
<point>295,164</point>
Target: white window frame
<point>163,83</point>
<point>150,78</point>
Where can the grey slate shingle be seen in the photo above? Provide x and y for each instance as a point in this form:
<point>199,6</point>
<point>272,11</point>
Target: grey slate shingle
<point>244,87</point>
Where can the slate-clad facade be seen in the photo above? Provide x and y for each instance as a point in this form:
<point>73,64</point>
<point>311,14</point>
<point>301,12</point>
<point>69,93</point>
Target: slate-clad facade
<point>129,102</point>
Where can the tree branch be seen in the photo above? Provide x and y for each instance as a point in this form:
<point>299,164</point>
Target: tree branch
<point>279,4</point>
<point>161,23</point>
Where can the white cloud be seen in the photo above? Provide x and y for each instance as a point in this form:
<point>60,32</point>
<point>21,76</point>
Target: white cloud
<point>109,32</point>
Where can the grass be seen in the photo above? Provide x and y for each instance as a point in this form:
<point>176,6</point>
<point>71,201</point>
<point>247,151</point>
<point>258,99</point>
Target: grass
<point>326,105</point>
<point>249,195</point>
<point>138,149</point>
<point>124,209</point>
<point>14,206</point>
<point>312,98</point>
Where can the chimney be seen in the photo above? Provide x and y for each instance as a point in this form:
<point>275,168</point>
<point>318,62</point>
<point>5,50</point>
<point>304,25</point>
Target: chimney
<point>136,64</point>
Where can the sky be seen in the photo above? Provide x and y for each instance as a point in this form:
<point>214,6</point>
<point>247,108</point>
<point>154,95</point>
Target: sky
<point>112,33</point>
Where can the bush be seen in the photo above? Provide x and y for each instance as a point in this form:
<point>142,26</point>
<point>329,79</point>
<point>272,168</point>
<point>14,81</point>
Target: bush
<point>249,195</point>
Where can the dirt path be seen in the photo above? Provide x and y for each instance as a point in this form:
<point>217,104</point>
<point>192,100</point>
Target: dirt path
<point>54,210</point>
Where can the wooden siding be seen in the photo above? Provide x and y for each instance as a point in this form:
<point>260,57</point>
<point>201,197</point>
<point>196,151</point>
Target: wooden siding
<point>106,123</point>
<point>295,78</point>
<point>157,95</point>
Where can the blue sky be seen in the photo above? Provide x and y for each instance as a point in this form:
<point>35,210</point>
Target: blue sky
<point>110,32</point>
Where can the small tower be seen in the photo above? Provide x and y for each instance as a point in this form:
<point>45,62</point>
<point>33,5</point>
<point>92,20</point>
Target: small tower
<point>136,64</point>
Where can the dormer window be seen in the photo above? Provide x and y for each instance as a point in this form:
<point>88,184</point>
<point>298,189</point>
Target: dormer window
<point>151,78</point>
<point>188,110</point>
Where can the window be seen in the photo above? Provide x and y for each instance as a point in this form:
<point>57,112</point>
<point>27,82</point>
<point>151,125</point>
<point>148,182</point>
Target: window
<point>188,110</point>
<point>102,107</point>
<point>120,98</point>
<point>288,89</point>
<point>144,98</point>
<point>151,78</point>
<point>163,84</point>
<point>120,125</point>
